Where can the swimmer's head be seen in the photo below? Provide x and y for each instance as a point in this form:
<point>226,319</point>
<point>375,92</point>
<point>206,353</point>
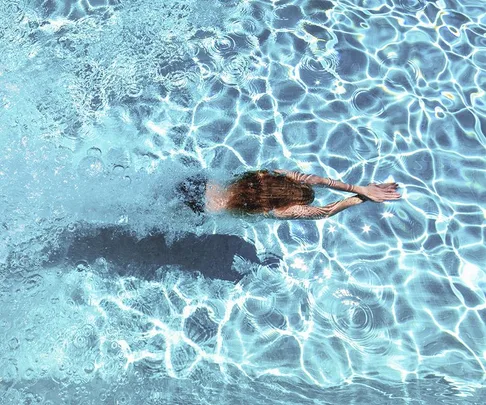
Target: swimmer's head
<point>262,191</point>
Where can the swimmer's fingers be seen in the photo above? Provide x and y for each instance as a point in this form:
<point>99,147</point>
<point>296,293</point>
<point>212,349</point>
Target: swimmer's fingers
<point>380,193</point>
<point>388,186</point>
<point>392,196</point>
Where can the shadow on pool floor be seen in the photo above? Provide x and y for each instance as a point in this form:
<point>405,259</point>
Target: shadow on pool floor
<point>212,255</point>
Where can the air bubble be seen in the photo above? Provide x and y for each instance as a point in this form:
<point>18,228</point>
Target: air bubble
<point>96,152</point>
<point>13,343</point>
<point>30,375</point>
<point>118,170</point>
<point>82,266</point>
<point>89,368</point>
<point>91,166</point>
<point>29,334</point>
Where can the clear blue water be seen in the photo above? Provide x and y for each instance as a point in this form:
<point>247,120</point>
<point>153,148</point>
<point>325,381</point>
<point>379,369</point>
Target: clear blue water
<point>112,292</point>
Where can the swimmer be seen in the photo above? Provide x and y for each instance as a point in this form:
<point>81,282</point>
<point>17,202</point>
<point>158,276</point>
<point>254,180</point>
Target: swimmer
<point>278,194</point>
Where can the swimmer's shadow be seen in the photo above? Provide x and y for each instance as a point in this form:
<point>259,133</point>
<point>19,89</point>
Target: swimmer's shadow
<point>212,255</point>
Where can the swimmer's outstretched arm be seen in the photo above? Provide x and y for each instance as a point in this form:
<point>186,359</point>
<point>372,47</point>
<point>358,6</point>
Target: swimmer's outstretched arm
<point>320,181</point>
<point>310,212</point>
<point>373,192</point>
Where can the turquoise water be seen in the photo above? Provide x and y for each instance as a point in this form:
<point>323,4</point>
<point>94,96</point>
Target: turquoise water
<point>112,292</point>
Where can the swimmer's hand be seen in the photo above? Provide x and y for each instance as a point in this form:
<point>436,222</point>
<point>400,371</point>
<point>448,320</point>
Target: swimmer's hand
<point>380,192</point>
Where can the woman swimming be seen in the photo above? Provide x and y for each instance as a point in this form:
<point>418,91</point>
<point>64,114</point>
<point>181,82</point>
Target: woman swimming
<point>278,194</point>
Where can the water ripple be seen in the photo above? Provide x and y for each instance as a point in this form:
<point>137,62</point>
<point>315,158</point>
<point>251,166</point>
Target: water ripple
<point>356,322</point>
<point>235,70</point>
<point>220,45</point>
<point>367,102</point>
<point>412,5</point>
<point>316,73</point>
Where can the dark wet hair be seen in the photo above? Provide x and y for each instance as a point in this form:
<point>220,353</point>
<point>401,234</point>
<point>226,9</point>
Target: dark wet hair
<point>262,191</point>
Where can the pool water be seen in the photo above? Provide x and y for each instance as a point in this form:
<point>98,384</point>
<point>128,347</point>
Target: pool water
<point>113,292</point>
